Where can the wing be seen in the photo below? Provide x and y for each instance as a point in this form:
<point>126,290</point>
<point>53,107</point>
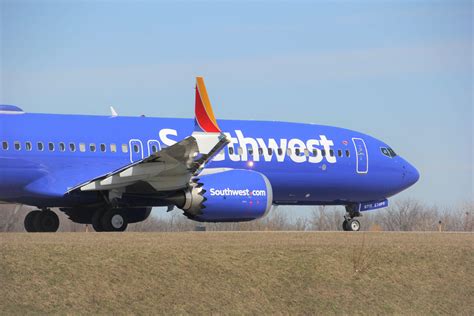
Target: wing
<point>172,167</point>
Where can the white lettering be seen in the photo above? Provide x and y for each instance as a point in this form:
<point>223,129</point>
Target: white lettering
<point>327,147</point>
<point>232,192</point>
<point>246,143</point>
<point>297,148</point>
<point>233,141</point>
<point>272,144</point>
<point>164,133</point>
<point>310,144</point>
<point>241,148</point>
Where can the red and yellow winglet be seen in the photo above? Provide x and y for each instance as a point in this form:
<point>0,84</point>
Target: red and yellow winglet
<point>204,116</point>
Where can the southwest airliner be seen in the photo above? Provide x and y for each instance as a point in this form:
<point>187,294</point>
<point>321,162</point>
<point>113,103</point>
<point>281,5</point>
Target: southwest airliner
<point>110,171</point>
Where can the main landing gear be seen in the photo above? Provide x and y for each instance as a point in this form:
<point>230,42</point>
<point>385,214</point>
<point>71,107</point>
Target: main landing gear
<point>41,221</point>
<point>109,220</point>
<point>351,224</point>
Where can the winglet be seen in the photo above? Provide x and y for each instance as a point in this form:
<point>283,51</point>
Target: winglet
<point>113,112</point>
<point>203,114</point>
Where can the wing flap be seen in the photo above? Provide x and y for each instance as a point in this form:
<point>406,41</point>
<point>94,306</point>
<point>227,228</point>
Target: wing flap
<point>172,167</point>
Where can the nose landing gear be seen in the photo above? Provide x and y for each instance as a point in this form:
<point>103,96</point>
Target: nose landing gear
<point>351,224</point>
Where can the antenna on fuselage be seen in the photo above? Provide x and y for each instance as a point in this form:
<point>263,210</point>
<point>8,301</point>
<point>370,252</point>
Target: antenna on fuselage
<point>114,113</point>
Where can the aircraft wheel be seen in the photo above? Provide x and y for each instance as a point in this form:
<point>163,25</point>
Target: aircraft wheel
<point>46,221</point>
<point>50,221</point>
<point>114,220</point>
<point>353,225</point>
<point>29,221</point>
<point>344,225</point>
<point>97,220</point>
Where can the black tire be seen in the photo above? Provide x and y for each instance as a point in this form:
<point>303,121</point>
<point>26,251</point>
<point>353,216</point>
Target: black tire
<point>353,225</point>
<point>29,221</point>
<point>114,220</point>
<point>37,222</point>
<point>50,221</point>
<point>97,220</point>
<point>344,226</point>
<point>46,221</point>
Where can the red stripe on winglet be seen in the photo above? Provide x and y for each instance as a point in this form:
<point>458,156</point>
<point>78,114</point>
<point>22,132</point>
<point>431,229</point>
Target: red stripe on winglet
<point>202,117</point>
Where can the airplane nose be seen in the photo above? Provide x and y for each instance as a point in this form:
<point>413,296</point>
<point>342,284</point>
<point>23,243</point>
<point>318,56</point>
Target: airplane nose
<point>411,174</point>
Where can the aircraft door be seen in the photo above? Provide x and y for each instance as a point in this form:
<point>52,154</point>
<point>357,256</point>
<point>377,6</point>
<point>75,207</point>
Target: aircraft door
<point>136,150</point>
<point>153,146</point>
<point>362,156</point>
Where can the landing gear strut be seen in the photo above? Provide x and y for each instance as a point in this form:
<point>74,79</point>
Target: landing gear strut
<point>351,224</point>
<point>41,221</point>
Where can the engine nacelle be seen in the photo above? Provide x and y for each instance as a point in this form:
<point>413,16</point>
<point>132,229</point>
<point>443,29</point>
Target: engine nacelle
<point>229,196</point>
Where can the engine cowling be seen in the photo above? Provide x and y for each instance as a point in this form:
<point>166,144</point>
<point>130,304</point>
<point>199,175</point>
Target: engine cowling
<point>230,196</point>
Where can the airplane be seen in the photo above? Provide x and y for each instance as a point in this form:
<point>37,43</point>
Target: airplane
<point>109,171</point>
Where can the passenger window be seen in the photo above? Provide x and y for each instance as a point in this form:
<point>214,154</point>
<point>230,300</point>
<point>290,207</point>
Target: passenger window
<point>92,148</point>
<point>288,151</point>
<point>250,151</point>
<point>270,151</point>
<point>331,153</point>
<point>260,151</point>
<point>154,149</point>
<point>62,147</point>
<point>5,145</point>
<point>124,148</point>
<point>28,146</point>
<point>113,148</point>
<point>297,151</point>
<point>82,147</point>
<point>306,152</point>
<point>51,146</point>
<point>280,151</point>
<point>315,152</point>
<point>103,148</point>
<point>240,151</point>
<point>348,153</point>
<point>72,147</point>
<point>323,152</point>
<point>231,150</point>
<point>135,148</point>
<point>40,146</point>
<point>339,153</point>
<point>17,145</point>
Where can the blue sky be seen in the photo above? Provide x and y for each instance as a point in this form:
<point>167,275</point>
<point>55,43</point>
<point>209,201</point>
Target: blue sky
<point>398,70</point>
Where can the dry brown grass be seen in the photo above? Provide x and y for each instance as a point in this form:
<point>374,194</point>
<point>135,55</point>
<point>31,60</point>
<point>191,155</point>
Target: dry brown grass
<point>237,273</point>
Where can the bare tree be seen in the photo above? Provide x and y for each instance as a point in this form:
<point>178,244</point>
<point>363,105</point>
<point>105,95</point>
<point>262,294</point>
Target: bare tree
<point>401,215</point>
<point>326,218</point>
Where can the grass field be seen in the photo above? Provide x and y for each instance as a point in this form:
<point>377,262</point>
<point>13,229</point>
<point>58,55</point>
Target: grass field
<point>237,273</point>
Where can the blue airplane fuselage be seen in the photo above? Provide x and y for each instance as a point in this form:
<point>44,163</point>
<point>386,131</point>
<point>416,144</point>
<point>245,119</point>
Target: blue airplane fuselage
<point>42,156</point>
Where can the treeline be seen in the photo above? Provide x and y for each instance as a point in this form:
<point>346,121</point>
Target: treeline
<point>401,215</point>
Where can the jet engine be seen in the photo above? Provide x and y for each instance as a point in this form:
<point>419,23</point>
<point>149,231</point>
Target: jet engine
<point>229,196</point>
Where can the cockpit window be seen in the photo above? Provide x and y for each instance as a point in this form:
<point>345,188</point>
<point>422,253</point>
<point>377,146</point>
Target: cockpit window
<point>392,152</point>
<point>387,151</point>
